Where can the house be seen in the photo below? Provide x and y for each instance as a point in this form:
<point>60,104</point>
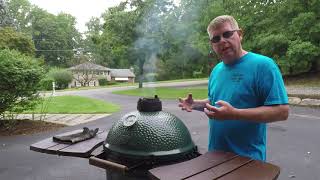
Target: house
<point>122,75</point>
<point>88,74</point>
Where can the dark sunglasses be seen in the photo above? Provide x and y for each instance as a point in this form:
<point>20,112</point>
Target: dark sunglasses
<point>226,35</point>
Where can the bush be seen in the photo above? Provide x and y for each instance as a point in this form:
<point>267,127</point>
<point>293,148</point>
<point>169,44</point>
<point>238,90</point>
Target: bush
<point>19,80</point>
<point>103,81</point>
<point>62,77</point>
<point>301,55</point>
<point>46,83</point>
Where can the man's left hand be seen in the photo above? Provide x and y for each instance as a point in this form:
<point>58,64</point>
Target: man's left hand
<point>224,112</point>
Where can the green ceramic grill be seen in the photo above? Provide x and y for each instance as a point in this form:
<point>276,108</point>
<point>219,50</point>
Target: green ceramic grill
<point>150,134</point>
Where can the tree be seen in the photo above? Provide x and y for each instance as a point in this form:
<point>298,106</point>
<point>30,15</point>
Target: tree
<point>176,37</point>
<point>11,39</point>
<point>20,12</point>
<point>55,37</point>
<point>5,19</point>
<point>62,77</point>
<point>19,79</point>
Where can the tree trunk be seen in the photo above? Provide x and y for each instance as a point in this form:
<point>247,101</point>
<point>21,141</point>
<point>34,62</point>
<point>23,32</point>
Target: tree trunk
<point>141,62</point>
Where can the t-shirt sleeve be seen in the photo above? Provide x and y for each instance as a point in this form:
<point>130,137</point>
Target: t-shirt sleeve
<point>271,87</point>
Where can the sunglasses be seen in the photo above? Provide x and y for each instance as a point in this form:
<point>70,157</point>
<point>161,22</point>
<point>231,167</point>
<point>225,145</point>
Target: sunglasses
<point>226,35</point>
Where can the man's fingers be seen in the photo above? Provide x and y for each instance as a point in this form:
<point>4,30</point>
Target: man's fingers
<point>209,113</point>
<point>211,108</point>
<point>222,103</point>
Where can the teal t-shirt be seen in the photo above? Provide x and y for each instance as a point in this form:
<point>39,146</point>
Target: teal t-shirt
<point>253,81</point>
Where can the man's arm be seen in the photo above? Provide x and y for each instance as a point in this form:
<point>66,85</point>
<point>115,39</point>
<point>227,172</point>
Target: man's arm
<point>262,114</point>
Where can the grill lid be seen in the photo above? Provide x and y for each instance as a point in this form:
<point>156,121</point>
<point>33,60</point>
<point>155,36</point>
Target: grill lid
<point>144,134</point>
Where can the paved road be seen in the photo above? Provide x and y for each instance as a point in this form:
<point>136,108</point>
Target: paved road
<point>293,144</point>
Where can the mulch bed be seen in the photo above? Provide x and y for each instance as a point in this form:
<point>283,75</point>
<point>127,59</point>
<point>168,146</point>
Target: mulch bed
<point>26,127</point>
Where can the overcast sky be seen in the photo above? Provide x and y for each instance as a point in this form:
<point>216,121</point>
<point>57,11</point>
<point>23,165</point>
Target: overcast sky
<point>83,10</point>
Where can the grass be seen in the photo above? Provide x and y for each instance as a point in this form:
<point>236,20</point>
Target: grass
<point>97,87</point>
<point>75,105</point>
<point>181,80</point>
<point>166,93</point>
<point>126,84</point>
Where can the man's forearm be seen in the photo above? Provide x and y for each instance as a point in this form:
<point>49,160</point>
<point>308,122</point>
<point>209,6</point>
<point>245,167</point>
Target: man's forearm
<point>263,114</point>
<point>199,105</point>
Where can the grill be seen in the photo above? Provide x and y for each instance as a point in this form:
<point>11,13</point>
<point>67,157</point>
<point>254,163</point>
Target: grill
<point>145,139</point>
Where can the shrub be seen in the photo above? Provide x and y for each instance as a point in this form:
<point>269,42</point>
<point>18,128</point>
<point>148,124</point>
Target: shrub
<point>301,55</point>
<point>46,83</point>
<point>19,80</point>
<point>62,77</point>
<point>103,81</point>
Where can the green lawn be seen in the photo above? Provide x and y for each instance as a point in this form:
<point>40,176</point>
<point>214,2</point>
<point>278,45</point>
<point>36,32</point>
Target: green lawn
<point>167,93</point>
<point>74,105</point>
<point>127,84</point>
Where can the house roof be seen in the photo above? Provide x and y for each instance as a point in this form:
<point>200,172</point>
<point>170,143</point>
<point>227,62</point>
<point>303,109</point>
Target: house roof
<point>89,66</point>
<point>122,73</point>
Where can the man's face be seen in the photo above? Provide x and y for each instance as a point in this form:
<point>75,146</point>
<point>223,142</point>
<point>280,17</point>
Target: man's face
<point>228,45</point>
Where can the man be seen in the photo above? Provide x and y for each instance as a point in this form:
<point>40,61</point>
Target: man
<point>245,91</point>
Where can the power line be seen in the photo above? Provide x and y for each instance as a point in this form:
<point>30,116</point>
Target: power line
<point>51,50</point>
<point>55,50</point>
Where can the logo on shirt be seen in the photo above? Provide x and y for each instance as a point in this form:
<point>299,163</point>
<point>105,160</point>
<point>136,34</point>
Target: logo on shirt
<point>236,77</point>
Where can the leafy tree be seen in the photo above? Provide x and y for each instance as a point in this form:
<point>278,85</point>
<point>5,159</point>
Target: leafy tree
<point>301,55</point>
<point>20,12</point>
<point>5,18</point>
<point>55,37</point>
<point>90,43</point>
<point>11,39</point>
<point>19,79</point>
<point>62,77</point>
<point>176,35</point>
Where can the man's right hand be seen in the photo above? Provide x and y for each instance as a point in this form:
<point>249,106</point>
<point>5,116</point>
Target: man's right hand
<point>186,103</point>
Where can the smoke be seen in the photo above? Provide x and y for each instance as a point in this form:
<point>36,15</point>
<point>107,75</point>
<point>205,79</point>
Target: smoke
<point>148,45</point>
<point>164,19</point>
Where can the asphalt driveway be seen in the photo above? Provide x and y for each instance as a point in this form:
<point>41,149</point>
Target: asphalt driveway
<point>293,145</point>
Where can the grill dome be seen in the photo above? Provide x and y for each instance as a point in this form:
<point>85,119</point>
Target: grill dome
<point>149,135</point>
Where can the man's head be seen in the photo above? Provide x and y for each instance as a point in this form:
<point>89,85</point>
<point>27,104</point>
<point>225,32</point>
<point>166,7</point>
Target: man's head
<point>225,38</point>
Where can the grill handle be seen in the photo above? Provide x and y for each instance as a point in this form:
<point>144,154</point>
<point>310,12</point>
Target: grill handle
<point>105,164</point>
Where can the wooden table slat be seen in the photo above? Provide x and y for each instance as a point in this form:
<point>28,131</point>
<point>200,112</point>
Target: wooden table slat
<point>56,148</point>
<point>41,146</point>
<point>222,169</point>
<point>253,171</point>
<point>191,167</point>
<point>84,149</point>
<point>80,149</point>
